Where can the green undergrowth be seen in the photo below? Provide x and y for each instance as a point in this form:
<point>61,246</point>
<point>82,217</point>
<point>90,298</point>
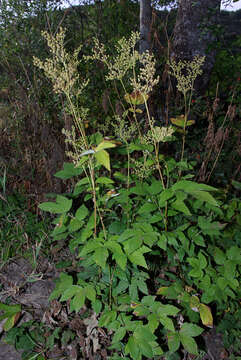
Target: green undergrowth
<point>159,253</point>
<point>22,233</point>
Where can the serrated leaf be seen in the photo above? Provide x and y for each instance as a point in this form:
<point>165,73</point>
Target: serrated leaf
<point>167,323</point>
<point>168,310</point>
<point>153,322</point>
<point>196,273</point>
<point>119,334</point>
<point>64,282</point>
<point>205,196</point>
<point>173,341</point>
<point>100,256</point>
<point>132,348</point>
<point>107,317</point>
<point>206,315</point>
<point>78,301</point>
<point>74,225</point>
<point>137,257</point>
<point>104,180</point>
<point>90,292</point>
<point>147,208</point>
<point>97,306</point>
<point>69,170</point>
<point>189,329</point>
<point>70,292</point>
<point>202,261</point>
<point>143,333</point>
<point>146,349</point>
<point>105,144</point>
<point>180,206</point>
<point>81,213</point>
<point>133,292</point>
<point>164,196</point>
<point>189,344</point>
<point>191,186</point>
<point>103,158</point>
<point>62,205</point>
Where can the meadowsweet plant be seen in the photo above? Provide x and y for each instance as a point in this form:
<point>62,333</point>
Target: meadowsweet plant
<point>139,69</point>
<point>148,240</point>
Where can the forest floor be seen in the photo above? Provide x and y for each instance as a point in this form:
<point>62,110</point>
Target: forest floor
<point>31,288</point>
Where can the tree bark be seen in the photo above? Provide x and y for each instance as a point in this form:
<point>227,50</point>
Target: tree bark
<point>145,25</point>
<point>194,35</point>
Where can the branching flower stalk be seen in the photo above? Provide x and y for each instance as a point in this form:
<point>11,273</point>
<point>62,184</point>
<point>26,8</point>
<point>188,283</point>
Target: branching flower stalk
<point>62,69</point>
<point>186,73</point>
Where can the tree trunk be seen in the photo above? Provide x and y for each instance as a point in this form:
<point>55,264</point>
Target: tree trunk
<point>145,25</point>
<point>194,35</point>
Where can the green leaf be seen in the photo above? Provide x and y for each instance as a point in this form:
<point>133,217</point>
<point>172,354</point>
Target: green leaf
<point>194,303</point>
<point>164,196</point>
<point>78,301</point>
<point>162,243</point>
<point>155,188</point>
<point>11,321</point>
<point>137,257</point>
<point>191,186</point>
<point>173,341</point>
<point>105,144</point>
<point>202,261</point>
<point>143,333</point>
<point>82,212</point>
<point>189,329</point>
<point>132,348</point>
<point>153,322</point>
<point>103,158</point>
<point>133,291</point>
<point>147,208</point>
<point>64,282</point>
<point>168,310</point>
<point>146,349</point>
<point>84,181</point>
<point>234,253</point>
<point>69,171</point>
<point>97,306</point>
<point>70,292</point>
<point>189,344</point>
<point>181,121</point>
<point>107,317</point>
<point>119,334</point>
<point>167,323</point>
<point>206,315</point>
<point>180,206</point>
<point>196,273</point>
<point>11,309</point>
<point>74,225</point>
<point>100,256</point>
<point>118,254</point>
<point>222,283</point>
<point>104,180</point>
<point>62,205</point>
<point>116,227</point>
<point>205,196</point>
<point>90,292</point>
